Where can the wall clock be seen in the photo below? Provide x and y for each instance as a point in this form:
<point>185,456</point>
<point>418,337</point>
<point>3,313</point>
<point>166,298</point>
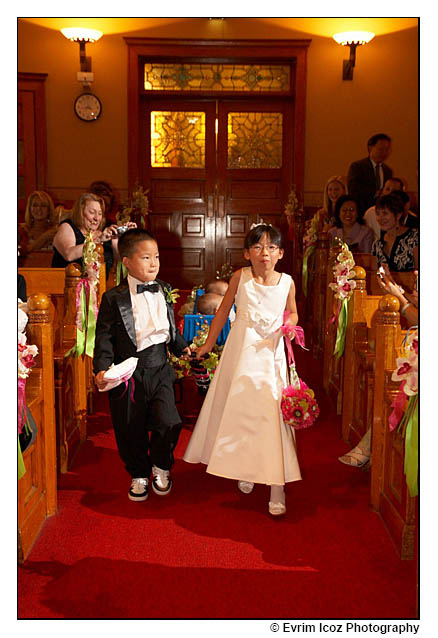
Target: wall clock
<point>88,107</point>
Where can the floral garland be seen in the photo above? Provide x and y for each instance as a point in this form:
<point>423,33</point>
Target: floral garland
<point>309,245</point>
<point>405,406</point>
<point>182,366</point>
<point>26,361</point>
<point>291,205</point>
<point>86,300</point>
<point>225,272</point>
<point>343,272</point>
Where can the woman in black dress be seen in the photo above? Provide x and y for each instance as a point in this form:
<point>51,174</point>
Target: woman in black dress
<point>398,245</point>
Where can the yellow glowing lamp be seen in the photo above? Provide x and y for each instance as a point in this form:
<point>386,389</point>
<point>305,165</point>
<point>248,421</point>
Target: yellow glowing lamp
<point>79,34</point>
<point>352,39</point>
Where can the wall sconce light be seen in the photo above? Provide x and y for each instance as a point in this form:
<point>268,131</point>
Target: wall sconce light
<point>78,34</point>
<point>352,39</point>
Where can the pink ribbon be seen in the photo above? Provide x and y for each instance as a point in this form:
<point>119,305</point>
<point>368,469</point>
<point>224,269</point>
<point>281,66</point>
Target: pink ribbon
<point>21,404</point>
<point>397,405</point>
<point>290,332</point>
<point>334,318</point>
<point>126,381</point>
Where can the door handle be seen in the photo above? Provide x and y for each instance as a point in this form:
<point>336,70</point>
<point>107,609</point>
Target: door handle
<point>210,206</point>
<point>221,206</point>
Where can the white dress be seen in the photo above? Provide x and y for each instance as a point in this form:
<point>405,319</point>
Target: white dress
<point>240,433</point>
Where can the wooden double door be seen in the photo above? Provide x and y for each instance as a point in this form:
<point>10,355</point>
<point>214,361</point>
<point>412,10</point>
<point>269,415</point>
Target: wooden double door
<point>213,167</point>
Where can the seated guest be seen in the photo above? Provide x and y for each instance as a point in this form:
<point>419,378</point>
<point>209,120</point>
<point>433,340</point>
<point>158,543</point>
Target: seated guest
<point>87,215</point>
<point>398,246</point>
<point>40,226</point>
<point>408,301</point>
<point>350,227</point>
<point>208,303</point>
<point>391,184</point>
<point>409,219</point>
<point>333,190</point>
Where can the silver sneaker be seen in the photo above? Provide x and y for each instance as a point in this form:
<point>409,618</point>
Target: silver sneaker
<point>161,481</point>
<point>139,489</point>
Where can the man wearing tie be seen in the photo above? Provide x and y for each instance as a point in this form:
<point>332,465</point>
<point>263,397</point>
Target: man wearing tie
<point>367,176</point>
<point>136,319</point>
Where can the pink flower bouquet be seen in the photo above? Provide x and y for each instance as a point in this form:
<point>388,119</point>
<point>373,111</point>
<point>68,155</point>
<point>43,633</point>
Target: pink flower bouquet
<point>299,406</point>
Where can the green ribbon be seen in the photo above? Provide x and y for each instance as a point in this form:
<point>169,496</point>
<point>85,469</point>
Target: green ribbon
<point>21,466</point>
<point>91,324</point>
<point>342,329</point>
<point>410,423</point>
<point>307,254</point>
<point>85,335</point>
<point>120,272</point>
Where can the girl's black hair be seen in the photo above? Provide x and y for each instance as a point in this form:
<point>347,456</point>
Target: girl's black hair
<point>340,202</point>
<point>255,234</point>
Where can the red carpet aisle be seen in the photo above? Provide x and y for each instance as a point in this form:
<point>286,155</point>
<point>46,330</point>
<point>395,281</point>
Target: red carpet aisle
<point>208,551</point>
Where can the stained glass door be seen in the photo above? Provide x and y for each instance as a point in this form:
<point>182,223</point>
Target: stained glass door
<point>213,167</point>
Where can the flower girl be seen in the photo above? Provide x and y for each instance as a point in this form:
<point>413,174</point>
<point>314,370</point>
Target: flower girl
<point>240,433</point>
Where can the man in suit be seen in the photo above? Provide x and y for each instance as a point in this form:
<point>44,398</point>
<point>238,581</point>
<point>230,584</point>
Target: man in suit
<point>367,176</point>
<point>136,319</point>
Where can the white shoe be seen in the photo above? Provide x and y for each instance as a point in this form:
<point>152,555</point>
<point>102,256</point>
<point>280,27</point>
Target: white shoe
<point>277,509</point>
<point>161,481</point>
<point>139,489</point>
<point>245,486</point>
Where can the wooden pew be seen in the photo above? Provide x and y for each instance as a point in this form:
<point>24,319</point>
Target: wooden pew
<point>389,493</point>
<point>74,386</point>
<point>359,356</point>
<point>37,488</point>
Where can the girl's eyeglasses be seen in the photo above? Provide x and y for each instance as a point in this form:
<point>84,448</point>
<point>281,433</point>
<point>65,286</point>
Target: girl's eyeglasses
<point>257,248</point>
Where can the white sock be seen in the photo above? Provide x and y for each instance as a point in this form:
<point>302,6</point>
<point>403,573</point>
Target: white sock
<point>277,494</point>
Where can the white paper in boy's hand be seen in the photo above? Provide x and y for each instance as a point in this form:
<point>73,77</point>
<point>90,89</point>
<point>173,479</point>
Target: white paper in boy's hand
<point>115,375</point>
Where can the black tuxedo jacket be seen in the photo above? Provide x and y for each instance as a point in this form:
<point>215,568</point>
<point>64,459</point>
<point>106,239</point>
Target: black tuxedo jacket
<point>115,330</point>
<point>362,182</point>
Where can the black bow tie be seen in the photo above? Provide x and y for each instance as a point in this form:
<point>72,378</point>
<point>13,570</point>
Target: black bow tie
<point>147,288</point>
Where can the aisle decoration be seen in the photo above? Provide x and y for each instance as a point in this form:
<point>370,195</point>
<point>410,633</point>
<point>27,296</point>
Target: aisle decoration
<point>86,300</point>
<point>298,404</point>
<point>405,406</point>
<point>136,210</point>
<point>344,274</point>
<point>309,245</point>
<point>291,205</point>
<point>26,361</point>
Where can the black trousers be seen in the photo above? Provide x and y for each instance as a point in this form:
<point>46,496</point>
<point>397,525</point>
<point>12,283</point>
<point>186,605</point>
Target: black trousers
<point>147,428</point>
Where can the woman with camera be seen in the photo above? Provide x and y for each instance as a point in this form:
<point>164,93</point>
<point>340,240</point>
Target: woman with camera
<point>87,215</point>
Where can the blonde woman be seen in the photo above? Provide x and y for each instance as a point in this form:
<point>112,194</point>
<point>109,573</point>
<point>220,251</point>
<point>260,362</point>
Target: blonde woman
<point>40,223</point>
<point>87,215</point>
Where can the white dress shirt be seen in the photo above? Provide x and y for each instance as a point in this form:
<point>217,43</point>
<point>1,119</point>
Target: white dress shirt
<point>150,316</point>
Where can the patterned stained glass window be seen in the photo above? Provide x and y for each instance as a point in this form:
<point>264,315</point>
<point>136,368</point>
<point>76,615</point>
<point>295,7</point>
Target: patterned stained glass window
<point>177,139</point>
<point>258,78</point>
<point>255,140</point>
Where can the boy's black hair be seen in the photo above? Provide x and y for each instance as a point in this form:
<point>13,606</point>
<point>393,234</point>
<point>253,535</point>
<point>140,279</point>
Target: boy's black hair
<point>392,202</point>
<point>401,195</point>
<point>130,239</point>
<point>340,202</point>
<point>256,233</point>
<point>376,138</point>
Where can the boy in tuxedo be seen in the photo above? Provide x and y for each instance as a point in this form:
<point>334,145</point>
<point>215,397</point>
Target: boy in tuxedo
<point>136,319</point>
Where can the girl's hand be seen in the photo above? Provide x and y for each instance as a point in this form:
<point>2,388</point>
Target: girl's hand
<point>201,351</point>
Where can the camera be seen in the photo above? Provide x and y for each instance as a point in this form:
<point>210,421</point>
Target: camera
<point>121,229</point>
